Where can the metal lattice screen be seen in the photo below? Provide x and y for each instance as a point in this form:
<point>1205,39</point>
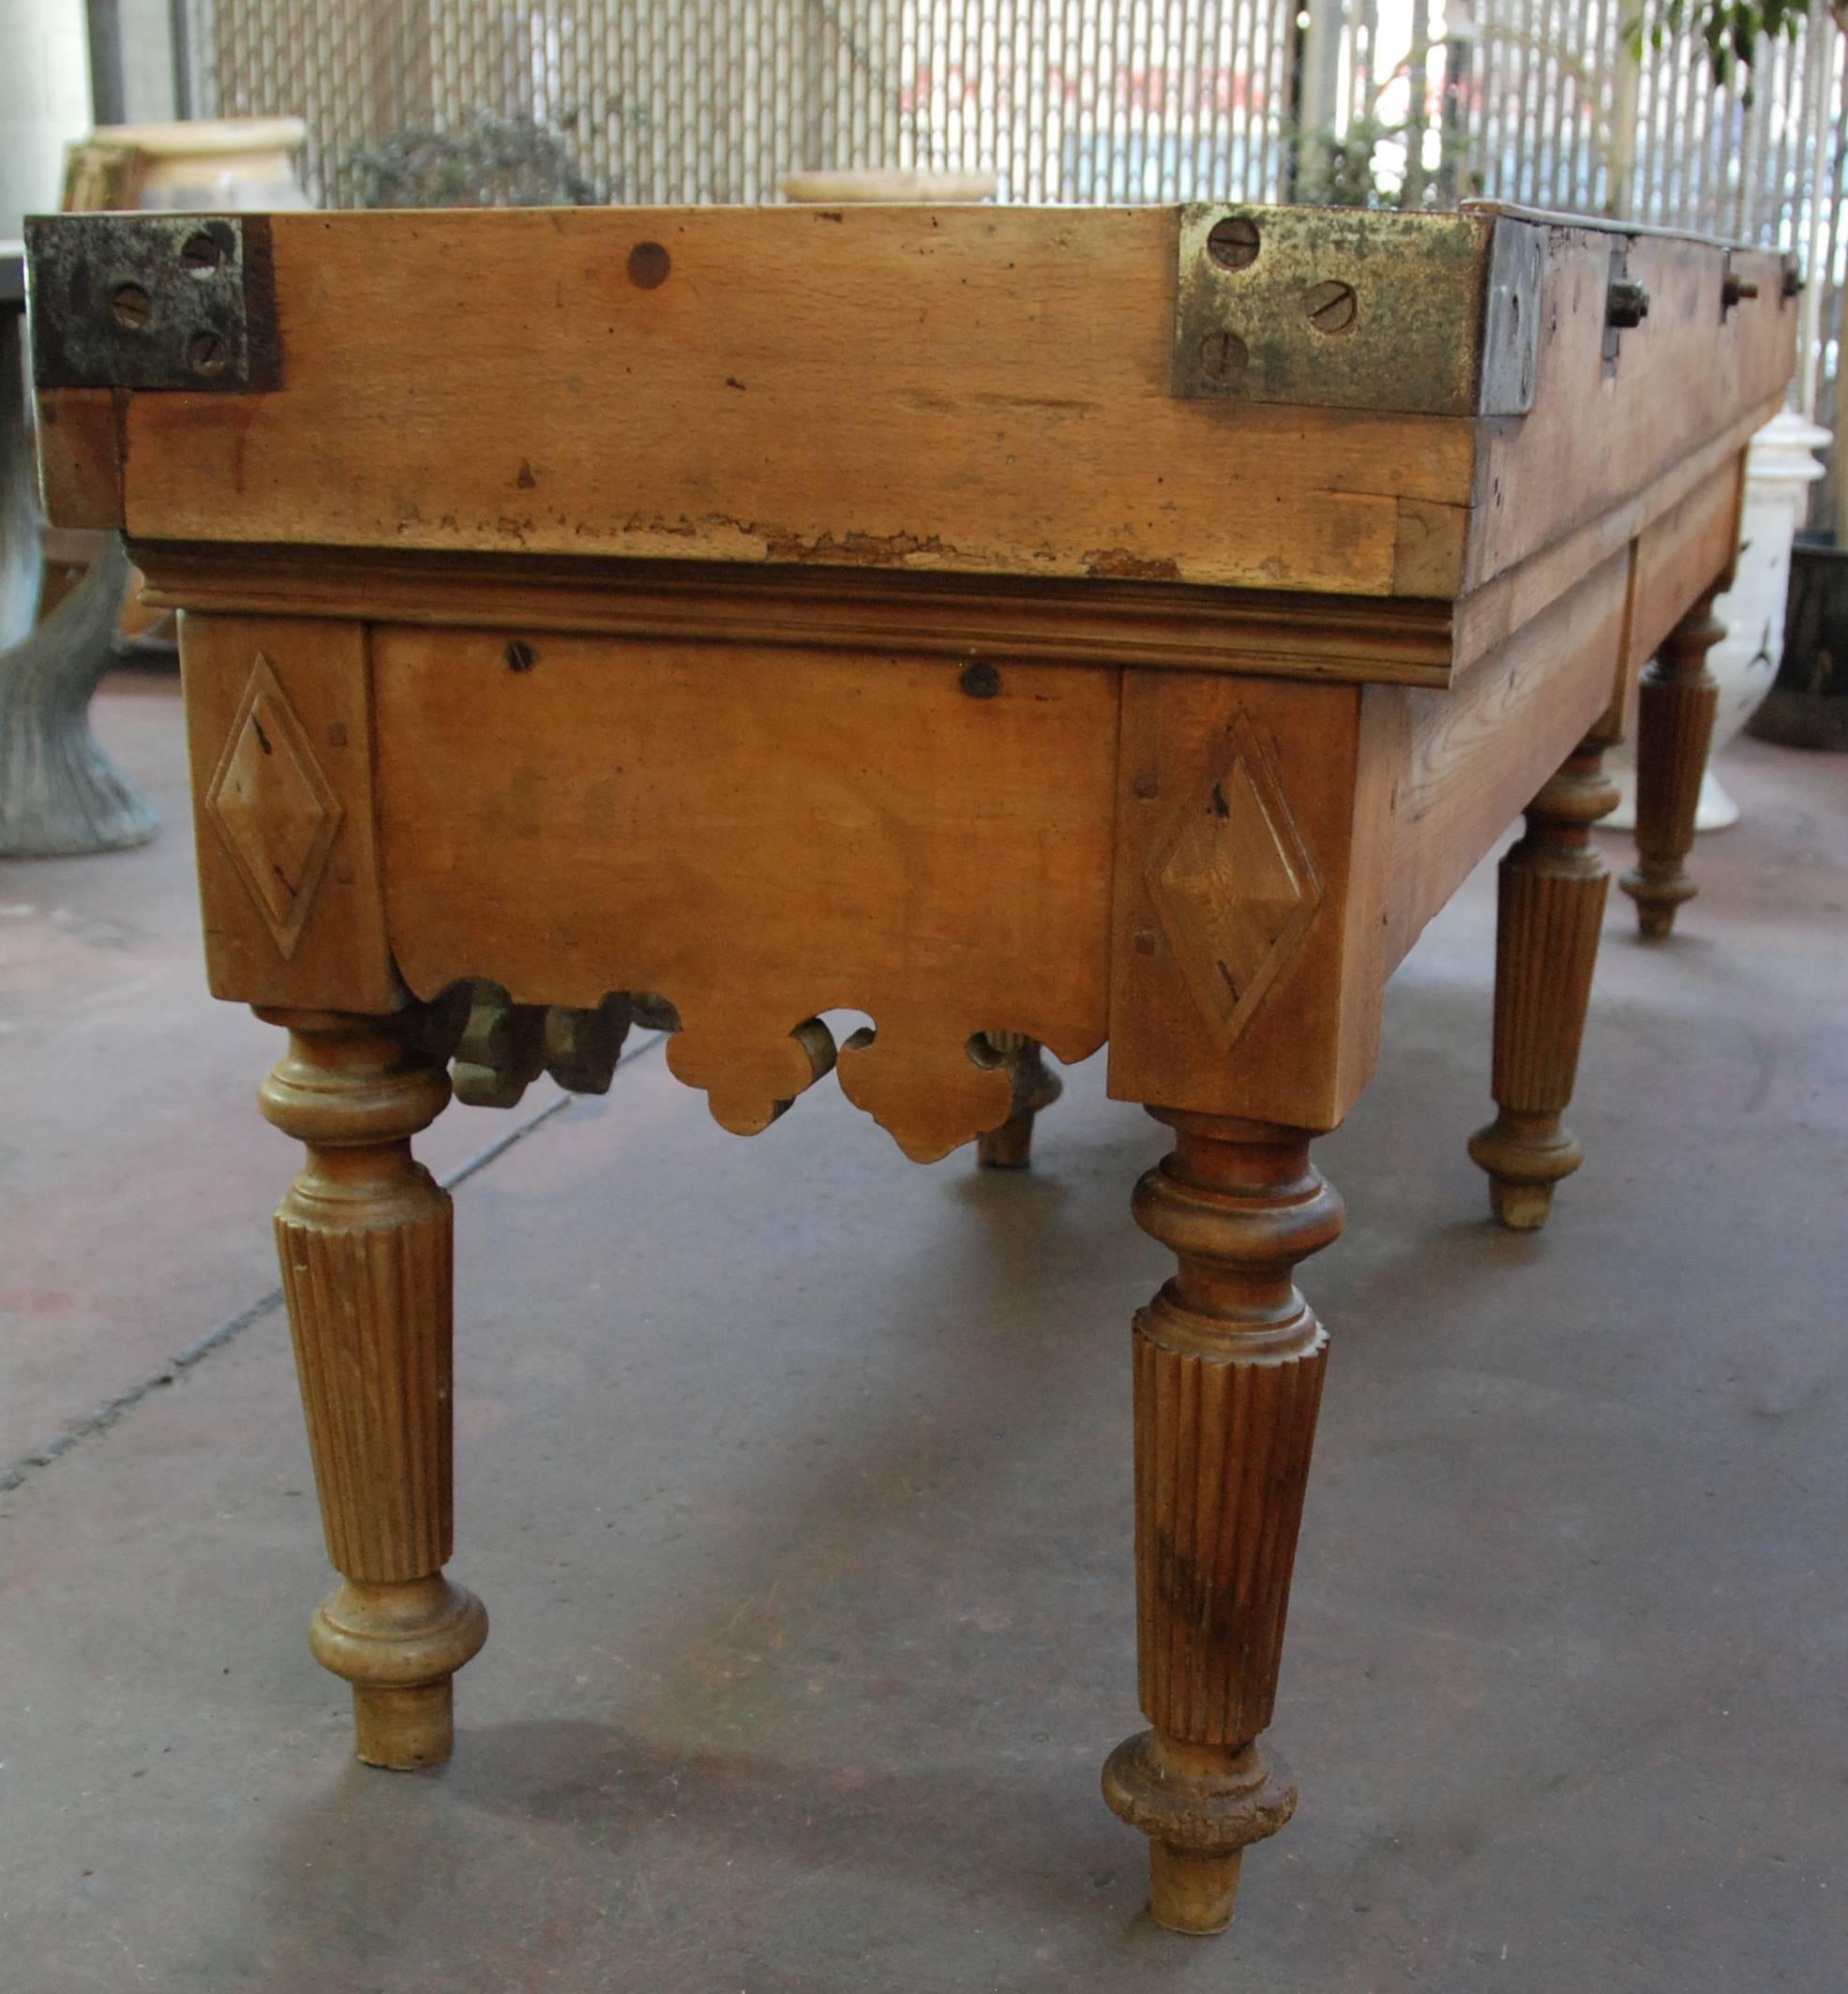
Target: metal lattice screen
<point>705,100</point>
<point>1555,110</point>
<point>1081,100</point>
<point>669,101</point>
<point>1561,114</point>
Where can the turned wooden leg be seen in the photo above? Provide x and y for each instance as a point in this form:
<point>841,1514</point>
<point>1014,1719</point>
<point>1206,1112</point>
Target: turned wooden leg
<point>1676,705</point>
<point>1035,1087</point>
<point>364,1237</point>
<point>1553,886</point>
<point>1229,1377</point>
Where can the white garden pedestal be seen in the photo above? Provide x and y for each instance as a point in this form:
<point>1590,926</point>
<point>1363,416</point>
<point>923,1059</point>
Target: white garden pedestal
<point>1779,470</point>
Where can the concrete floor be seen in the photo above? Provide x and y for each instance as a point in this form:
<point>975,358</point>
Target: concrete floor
<point>796,1480</point>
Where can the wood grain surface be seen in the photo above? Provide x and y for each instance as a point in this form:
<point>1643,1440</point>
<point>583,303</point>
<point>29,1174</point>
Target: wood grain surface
<point>1253,820</point>
<point>1601,432</point>
<point>975,389</point>
<point>1472,758</point>
<point>572,816</point>
<point>876,613</point>
<point>262,795</point>
<point>365,1239</point>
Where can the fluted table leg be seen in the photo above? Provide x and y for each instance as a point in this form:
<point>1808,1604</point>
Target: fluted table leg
<point>1550,909</point>
<point>1229,1379</point>
<point>364,1239</point>
<point>1676,704</point>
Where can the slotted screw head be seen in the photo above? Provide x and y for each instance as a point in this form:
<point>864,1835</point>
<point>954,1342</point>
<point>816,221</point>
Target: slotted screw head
<point>202,254</point>
<point>1233,244</point>
<point>1223,356</point>
<point>132,307</point>
<point>1332,307</point>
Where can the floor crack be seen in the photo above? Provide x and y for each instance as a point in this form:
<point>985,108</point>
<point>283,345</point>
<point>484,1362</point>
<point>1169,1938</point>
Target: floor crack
<point>106,1414</point>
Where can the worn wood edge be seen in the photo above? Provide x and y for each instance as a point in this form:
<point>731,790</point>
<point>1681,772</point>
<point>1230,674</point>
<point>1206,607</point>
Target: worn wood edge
<point>83,456</point>
<point>1608,225</point>
<point>1606,444</point>
<point>1493,612</point>
<point>1544,689</point>
<point>341,295</point>
<point>1170,626</point>
<point>1415,639</point>
<point>1430,545</point>
<point>1652,610</point>
<point>1684,553</point>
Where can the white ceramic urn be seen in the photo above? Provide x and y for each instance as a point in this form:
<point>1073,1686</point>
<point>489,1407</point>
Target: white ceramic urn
<point>1780,470</point>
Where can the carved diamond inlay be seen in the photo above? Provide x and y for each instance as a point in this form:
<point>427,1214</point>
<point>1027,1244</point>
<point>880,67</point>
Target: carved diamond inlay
<point>273,807</point>
<point>1234,887</point>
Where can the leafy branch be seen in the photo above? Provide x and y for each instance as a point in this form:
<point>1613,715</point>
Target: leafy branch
<point>1729,29</point>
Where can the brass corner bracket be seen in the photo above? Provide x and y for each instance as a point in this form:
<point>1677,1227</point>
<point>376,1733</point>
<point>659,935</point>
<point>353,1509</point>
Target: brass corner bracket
<point>1353,308</point>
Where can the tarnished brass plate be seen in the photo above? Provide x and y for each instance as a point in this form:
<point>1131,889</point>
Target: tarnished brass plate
<point>1353,308</point>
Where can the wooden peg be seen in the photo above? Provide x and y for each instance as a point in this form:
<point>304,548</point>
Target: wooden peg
<point>1676,704</point>
<point>653,1012</point>
<point>1552,888</point>
<point>502,1050</point>
<point>1035,1087</point>
<point>1229,1379</point>
<point>582,1046</point>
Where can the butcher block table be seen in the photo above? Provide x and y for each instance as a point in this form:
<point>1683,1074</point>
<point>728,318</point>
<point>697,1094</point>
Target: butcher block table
<point>1029,628</point>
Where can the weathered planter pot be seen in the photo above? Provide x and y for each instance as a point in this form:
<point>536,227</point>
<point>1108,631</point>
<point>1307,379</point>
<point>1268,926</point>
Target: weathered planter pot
<point>1781,468</point>
<point>1808,705</point>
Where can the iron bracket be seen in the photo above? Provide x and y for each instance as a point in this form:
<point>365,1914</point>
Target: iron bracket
<point>152,302</point>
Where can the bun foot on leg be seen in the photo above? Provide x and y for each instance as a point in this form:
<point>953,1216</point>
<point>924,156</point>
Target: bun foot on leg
<point>399,1646</point>
<point>1526,1156</point>
<point>1201,1807</point>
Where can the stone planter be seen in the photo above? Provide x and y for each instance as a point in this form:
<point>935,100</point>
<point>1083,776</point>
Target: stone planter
<point>1779,470</point>
<point>1808,706</point>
